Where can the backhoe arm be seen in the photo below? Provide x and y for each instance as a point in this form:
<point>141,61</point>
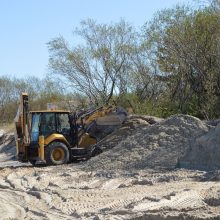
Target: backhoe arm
<point>22,135</point>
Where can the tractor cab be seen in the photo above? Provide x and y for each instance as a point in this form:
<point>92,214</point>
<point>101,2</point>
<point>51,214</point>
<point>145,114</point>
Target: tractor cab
<point>46,123</point>
<point>58,130</point>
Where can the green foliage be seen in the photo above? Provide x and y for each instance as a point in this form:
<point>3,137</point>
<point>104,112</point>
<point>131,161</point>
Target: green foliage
<point>40,93</point>
<point>187,52</point>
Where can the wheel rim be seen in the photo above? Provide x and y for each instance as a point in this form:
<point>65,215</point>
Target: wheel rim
<point>58,154</point>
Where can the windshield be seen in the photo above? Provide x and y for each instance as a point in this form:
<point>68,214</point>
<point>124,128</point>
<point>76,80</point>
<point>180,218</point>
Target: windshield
<point>35,127</point>
<point>47,124</point>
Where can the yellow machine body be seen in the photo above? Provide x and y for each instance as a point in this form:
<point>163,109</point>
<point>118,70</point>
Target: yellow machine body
<point>55,137</point>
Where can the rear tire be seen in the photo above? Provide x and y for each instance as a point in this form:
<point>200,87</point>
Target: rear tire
<point>57,153</point>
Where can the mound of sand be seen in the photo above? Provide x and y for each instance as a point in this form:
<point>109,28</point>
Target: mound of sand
<point>7,150</point>
<point>1,133</point>
<point>159,145</point>
<point>148,142</point>
<point>7,145</point>
<point>204,153</point>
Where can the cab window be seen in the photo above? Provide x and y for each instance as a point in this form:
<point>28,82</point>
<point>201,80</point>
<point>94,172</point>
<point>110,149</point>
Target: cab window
<point>35,127</point>
<point>63,125</point>
<point>47,124</point>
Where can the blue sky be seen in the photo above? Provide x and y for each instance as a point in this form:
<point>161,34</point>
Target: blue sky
<point>27,25</point>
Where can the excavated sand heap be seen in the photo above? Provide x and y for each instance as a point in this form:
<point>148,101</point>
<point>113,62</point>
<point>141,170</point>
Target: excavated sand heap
<point>7,150</point>
<point>204,153</point>
<point>160,145</point>
<point>148,142</point>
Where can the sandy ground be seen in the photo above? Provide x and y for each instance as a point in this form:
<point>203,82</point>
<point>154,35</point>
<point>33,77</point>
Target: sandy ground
<point>118,184</point>
<point>66,192</point>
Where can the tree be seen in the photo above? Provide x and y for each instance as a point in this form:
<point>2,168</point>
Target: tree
<point>187,50</point>
<point>100,66</point>
<point>6,91</point>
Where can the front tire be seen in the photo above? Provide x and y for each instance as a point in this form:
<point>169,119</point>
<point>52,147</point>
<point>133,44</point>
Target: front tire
<point>57,153</point>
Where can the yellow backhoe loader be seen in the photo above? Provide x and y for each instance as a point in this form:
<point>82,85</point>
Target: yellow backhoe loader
<point>53,137</point>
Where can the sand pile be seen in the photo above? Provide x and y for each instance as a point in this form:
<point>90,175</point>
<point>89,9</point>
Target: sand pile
<point>128,128</point>
<point>148,142</point>
<point>7,150</point>
<point>160,145</point>
<point>7,145</point>
<point>1,133</point>
<point>204,152</point>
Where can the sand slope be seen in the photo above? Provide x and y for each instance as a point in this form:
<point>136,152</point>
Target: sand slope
<point>160,145</point>
<point>204,152</point>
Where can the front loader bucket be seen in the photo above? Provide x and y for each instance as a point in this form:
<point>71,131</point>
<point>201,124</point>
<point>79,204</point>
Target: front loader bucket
<point>114,118</point>
<point>111,120</point>
<point>101,123</point>
<point>105,125</point>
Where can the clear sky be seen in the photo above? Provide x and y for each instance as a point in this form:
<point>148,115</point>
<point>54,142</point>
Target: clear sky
<point>27,25</point>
